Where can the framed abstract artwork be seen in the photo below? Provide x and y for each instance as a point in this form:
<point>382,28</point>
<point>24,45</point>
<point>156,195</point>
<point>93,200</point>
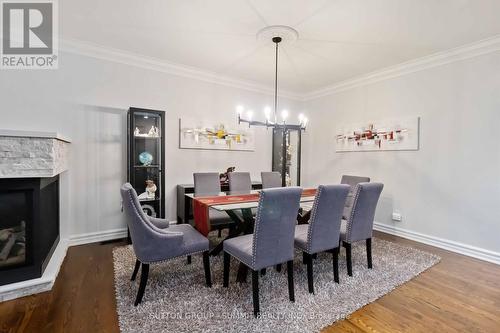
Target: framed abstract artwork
<point>216,135</point>
<point>389,134</point>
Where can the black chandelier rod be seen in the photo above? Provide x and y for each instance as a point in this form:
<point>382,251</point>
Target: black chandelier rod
<point>275,124</point>
<point>276,40</point>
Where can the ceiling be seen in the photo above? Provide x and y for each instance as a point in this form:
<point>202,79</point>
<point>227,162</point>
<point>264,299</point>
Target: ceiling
<point>338,39</point>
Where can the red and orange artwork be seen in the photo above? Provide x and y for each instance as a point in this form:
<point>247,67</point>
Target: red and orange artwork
<point>387,135</point>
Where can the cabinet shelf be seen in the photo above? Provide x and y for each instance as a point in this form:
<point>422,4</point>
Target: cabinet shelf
<point>146,166</point>
<point>149,200</point>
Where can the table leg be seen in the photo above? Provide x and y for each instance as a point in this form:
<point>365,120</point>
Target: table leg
<point>233,232</point>
<point>304,218</point>
<point>187,210</point>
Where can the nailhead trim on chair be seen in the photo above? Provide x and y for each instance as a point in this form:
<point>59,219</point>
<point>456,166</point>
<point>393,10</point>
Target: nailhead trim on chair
<point>159,261</point>
<point>312,220</point>
<point>165,260</point>
<point>249,264</point>
<point>349,222</point>
<point>153,227</point>
<point>256,230</point>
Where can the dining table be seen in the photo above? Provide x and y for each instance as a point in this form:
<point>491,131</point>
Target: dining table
<point>239,207</point>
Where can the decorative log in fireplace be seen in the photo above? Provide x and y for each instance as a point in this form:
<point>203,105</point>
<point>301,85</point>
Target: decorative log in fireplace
<point>13,245</point>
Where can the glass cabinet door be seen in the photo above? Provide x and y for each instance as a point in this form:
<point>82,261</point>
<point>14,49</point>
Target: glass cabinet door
<point>293,158</point>
<point>286,155</point>
<point>146,160</point>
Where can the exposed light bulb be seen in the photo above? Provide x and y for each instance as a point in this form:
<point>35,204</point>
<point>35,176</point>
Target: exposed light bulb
<point>239,110</point>
<point>301,118</point>
<point>267,112</point>
<point>249,114</point>
<point>304,121</point>
<point>146,117</point>
<point>284,114</point>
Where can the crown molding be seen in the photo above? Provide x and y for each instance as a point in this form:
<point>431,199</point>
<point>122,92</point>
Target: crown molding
<point>472,50</point>
<point>128,58</point>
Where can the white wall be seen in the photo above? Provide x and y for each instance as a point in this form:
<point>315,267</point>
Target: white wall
<point>86,99</point>
<point>450,188</point>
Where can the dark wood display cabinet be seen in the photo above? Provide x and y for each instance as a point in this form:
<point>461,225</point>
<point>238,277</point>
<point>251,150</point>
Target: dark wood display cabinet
<point>146,158</point>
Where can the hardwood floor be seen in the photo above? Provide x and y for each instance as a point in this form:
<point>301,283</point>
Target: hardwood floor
<point>460,294</point>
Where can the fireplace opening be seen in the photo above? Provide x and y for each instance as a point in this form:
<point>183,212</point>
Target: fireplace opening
<point>29,226</point>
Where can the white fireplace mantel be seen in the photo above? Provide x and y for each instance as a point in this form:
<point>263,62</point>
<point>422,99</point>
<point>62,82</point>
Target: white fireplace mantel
<point>32,154</point>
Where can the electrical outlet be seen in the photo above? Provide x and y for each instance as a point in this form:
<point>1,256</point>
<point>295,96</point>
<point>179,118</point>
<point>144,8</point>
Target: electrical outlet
<point>396,217</point>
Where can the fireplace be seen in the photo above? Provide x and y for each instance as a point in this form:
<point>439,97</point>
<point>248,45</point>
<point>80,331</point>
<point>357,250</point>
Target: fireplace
<point>31,166</point>
<point>29,226</point>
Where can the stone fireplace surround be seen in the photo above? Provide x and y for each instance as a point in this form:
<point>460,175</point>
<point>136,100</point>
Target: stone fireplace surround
<point>34,155</point>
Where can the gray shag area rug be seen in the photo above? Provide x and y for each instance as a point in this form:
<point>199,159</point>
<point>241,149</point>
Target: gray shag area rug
<point>177,300</point>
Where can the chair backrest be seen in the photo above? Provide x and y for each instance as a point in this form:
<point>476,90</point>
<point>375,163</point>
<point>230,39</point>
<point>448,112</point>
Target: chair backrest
<point>326,217</point>
<point>206,183</point>
<point>352,181</point>
<point>239,182</point>
<point>274,229</point>
<point>360,222</point>
<point>271,179</point>
<point>141,229</point>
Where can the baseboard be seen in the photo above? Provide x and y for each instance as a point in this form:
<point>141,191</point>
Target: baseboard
<point>468,250</point>
<point>99,236</point>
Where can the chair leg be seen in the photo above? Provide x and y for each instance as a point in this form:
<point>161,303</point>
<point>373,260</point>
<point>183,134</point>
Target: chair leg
<point>335,255</point>
<point>291,286</point>
<point>255,292</point>
<point>142,284</point>
<point>227,259</point>
<point>348,256</point>
<point>304,258</point>
<point>189,260</point>
<point>206,266</point>
<point>310,280</point>
<point>136,269</point>
<point>278,268</point>
<point>369,252</point>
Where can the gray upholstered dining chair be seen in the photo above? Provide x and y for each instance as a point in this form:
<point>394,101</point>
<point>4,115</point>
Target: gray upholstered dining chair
<point>272,240</point>
<point>359,224</point>
<point>208,183</point>
<point>239,182</point>
<point>154,240</point>
<point>323,231</point>
<point>271,179</point>
<point>351,181</point>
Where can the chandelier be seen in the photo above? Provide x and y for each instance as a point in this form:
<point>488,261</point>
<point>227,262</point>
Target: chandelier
<point>277,34</point>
